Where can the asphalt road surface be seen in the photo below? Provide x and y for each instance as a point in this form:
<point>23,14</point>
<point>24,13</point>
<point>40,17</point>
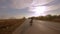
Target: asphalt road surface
<point>38,27</point>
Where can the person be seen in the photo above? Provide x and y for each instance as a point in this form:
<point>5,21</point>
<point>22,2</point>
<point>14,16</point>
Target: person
<point>31,21</point>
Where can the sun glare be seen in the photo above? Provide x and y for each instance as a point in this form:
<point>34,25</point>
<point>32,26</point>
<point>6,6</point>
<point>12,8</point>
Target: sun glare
<point>39,10</point>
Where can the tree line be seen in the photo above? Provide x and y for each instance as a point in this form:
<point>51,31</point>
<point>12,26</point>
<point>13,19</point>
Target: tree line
<point>49,18</point>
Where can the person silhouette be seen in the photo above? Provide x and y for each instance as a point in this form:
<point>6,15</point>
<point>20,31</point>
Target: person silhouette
<point>31,21</point>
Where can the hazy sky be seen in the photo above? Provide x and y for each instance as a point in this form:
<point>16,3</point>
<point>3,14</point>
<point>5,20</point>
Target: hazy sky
<point>20,8</point>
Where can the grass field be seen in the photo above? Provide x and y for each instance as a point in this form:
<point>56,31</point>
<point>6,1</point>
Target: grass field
<point>7,26</point>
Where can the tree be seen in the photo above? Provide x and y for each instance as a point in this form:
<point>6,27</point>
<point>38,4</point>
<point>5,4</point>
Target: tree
<point>24,18</point>
<point>49,17</point>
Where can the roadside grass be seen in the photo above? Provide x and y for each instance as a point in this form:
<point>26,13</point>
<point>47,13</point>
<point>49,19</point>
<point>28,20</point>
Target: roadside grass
<point>52,20</point>
<point>9,25</point>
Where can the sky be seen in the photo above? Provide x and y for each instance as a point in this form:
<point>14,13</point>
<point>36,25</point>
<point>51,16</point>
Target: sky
<point>28,8</point>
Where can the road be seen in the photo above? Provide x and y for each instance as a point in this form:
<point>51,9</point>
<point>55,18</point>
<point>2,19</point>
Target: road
<point>38,27</point>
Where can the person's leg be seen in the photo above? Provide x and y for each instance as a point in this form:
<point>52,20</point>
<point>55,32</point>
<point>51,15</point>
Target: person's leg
<point>31,22</point>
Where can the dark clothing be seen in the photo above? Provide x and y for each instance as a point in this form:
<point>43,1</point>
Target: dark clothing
<point>31,21</point>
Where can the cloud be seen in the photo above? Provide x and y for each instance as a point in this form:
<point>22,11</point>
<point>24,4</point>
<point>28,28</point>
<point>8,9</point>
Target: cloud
<point>16,4</point>
<point>53,12</point>
<point>36,3</point>
<point>20,3</point>
<point>53,5</point>
<point>41,2</point>
<point>6,13</point>
<point>18,7</point>
<point>54,2</point>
